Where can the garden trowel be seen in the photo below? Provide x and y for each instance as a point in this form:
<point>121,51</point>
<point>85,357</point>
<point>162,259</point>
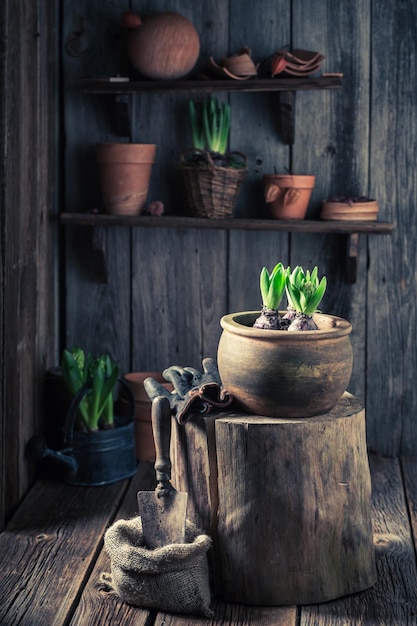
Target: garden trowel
<point>162,511</point>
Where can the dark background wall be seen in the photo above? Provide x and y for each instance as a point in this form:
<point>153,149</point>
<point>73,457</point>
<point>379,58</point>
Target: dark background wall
<point>167,289</point>
<point>29,185</point>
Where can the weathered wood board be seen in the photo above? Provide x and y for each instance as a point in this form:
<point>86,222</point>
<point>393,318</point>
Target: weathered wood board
<point>287,502</point>
<point>29,171</point>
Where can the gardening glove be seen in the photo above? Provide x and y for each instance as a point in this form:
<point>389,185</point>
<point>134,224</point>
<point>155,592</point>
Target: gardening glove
<point>195,393</point>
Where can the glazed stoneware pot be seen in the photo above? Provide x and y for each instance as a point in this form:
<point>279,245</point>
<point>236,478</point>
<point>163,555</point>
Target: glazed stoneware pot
<point>285,374</point>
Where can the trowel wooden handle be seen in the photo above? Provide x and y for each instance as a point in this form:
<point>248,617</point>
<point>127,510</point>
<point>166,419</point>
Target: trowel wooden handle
<point>161,426</point>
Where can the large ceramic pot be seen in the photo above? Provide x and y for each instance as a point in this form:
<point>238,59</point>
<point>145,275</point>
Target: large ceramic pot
<point>285,374</point>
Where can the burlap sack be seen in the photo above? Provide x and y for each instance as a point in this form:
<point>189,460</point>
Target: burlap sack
<point>174,578</point>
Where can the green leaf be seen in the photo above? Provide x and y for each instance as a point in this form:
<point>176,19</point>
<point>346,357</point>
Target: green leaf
<point>196,129</point>
<point>304,291</point>
<point>264,285</point>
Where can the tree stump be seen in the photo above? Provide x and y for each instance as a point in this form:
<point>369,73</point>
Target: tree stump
<point>286,501</point>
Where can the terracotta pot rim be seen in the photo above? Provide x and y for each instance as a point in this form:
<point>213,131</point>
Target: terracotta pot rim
<point>330,326</point>
<point>300,181</point>
<point>129,153</point>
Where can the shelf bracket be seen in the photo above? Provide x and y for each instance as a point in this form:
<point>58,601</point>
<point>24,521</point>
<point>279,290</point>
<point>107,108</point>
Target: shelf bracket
<point>286,115</point>
<point>352,258</point>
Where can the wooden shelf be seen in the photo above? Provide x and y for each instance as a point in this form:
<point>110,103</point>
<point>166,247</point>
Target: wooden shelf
<point>98,221</point>
<point>106,86</point>
<point>175,221</point>
<point>286,88</point>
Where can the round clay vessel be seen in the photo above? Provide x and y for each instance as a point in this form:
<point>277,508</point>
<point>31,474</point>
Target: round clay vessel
<point>277,373</point>
<point>165,46</point>
<point>287,196</point>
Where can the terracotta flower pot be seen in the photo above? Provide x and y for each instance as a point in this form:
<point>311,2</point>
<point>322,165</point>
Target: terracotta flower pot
<point>350,209</point>
<point>287,196</point>
<point>145,447</point>
<point>125,171</point>
<point>285,374</point>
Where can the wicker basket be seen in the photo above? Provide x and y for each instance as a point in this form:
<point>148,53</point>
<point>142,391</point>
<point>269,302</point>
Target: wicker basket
<point>212,190</point>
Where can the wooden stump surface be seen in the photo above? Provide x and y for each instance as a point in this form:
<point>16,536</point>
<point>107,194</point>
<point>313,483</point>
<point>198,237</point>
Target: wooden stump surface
<point>286,501</point>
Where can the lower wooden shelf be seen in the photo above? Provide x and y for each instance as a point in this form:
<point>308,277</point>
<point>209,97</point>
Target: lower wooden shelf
<point>350,228</point>
<point>176,221</point>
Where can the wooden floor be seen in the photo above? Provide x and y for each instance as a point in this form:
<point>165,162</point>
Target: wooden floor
<point>52,556</point>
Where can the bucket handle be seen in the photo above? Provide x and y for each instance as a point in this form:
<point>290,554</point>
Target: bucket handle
<point>75,402</point>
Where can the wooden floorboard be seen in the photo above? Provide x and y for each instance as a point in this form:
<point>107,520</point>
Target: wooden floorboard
<point>392,600</point>
<point>52,557</point>
<point>48,549</point>
<point>95,599</point>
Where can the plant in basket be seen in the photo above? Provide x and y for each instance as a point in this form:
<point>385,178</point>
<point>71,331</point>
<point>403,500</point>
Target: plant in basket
<point>212,174</point>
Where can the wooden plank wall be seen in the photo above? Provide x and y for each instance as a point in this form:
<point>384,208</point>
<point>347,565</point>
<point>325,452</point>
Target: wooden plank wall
<point>167,289</point>
<point>29,177</point>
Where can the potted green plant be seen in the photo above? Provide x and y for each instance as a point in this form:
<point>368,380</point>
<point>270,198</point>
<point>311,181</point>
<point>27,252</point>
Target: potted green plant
<point>99,446</point>
<point>212,174</point>
<point>293,363</point>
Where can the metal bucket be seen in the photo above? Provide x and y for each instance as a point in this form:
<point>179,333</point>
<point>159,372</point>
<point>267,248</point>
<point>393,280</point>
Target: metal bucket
<point>104,456</point>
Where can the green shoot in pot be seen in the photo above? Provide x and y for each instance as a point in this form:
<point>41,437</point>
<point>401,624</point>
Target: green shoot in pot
<point>99,375</point>
<point>304,293</point>
<point>272,286</point>
<point>210,125</point>
<point>197,130</point>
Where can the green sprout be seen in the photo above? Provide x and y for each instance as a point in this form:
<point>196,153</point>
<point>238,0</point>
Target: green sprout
<point>210,124</point>
<point>273,286</point>
<point>197,130</point>
<point>304,290</point>
<point>97,374</point>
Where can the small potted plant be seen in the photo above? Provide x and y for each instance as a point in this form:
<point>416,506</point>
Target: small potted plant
<point>99,446</point>
<point>212,175</point>
<point>293,363</point>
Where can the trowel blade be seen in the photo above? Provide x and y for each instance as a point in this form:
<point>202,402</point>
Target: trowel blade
<point>163,518</point>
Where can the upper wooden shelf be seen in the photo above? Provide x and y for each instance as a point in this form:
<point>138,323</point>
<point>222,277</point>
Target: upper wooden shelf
<point>175,221</point>
<point>286,88</point>
<point>106,86</point>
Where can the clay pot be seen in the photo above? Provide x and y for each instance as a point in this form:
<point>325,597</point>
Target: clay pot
<point>277,373</point>
<point>348,211</point>
<point>125,171</point>
<point>165,46</point>
<point>288,195</point>
<point>145,447</point>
